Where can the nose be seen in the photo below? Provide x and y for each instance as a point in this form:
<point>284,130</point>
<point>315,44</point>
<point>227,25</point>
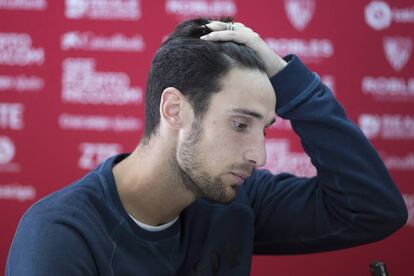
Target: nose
<point>256,152</point>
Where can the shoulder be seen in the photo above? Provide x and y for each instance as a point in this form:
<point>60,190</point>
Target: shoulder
<point>61,229</point>
<point>67,205</point>
<point>83,206</point>
<point>50,239</point>
<point>68,199</point>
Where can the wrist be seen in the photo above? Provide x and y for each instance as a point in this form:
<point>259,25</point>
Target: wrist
<point>272,61</point>
<point>275,66</point>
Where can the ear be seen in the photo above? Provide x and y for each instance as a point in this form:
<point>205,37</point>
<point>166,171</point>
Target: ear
<point>171,107</point>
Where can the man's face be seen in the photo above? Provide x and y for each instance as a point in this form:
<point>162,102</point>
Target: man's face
<point>222,149</point>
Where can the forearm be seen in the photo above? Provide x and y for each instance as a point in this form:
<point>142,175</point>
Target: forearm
<point>351,201</point>
<point>350,174</point>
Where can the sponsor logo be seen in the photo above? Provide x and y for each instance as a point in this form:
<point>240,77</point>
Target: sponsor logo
<point>127,10</point>
<point>310,50</point>
<point>11,116</point>
<point>21,83</point>
<point>399,162</point>
<point>409,202</point>
<point>81,84</point>
<point>370,125</point>
<point>379,15</point>
<point>281,159</point>
<point>299,12</point>
<point>89,41</point>
<point>7,150</point>
<point>387,126</point>
<point>388,88</point>
<point>99,123</point>
<point>397,51</point>
<point>16,50</point>
<point>193,8</point>
<point>7,154</point>
<point>17,192</point>
<point>23,4</point>
<point>94,153</point>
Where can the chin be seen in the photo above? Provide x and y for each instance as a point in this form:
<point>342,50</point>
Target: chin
<point>229,196</point>
<point>222,201</point>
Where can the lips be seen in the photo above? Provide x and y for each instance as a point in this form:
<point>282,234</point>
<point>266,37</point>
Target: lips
<point>241,176</point>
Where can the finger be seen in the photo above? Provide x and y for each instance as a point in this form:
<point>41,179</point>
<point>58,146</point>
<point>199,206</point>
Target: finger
<point>226,35</point>
<point>221,26</point>
<point>217,25</point>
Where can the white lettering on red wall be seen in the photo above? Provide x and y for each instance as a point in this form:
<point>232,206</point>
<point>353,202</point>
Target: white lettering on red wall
<point>21,83</point>
<point>388,88</point>
<point>94,153</point>
<point>103,9</point>
<point>82,84</point>
<point>194,8</point>
<point>387,126</point>
<point>281,159</point>
<point>312,49</point>
<point>7,150</point>
<point>16,50</point>
<point>17,192</point>
<point>402,162</point>
<point>11,116</point>
<point>7,155</point>
<point>99,123</point>
<point>23,4</point>
<point>90,41</point>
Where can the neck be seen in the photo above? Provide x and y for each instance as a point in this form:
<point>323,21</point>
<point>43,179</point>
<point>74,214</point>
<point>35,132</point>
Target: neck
<point>148,185</point>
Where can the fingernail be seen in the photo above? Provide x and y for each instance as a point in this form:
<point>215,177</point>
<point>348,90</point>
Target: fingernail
<point>204,37</point>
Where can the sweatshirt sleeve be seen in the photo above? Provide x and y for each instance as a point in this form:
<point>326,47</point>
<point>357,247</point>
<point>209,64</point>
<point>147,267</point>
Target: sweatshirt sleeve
<point>46,244</point>
<point>351,201</point>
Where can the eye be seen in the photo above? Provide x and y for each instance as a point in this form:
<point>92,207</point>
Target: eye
<point>239,126</point>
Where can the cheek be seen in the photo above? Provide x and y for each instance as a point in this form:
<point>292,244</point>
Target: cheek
<point>222,146</point>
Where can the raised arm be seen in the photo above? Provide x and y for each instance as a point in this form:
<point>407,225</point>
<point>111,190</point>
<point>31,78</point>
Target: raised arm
<point>351,201</point>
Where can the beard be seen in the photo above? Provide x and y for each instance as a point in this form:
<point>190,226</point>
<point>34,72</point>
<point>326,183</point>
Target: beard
<point>189,166</point>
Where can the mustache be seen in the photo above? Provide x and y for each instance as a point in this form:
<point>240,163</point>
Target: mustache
<point>246,168</point>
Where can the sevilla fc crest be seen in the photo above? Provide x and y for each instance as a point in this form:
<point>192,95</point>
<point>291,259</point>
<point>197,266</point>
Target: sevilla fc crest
<point>299,12</point>
<point>398,51</point>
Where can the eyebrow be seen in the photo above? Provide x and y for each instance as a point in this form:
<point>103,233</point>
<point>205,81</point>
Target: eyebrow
<point>253,114</point>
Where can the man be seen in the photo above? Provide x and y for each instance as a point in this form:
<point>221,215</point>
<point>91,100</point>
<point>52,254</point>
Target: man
<point>188,200</point>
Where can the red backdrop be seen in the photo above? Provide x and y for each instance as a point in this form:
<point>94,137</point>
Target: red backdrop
<point>72,78</point>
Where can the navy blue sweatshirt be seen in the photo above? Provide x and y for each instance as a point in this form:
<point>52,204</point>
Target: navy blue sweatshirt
<point>83,229</point>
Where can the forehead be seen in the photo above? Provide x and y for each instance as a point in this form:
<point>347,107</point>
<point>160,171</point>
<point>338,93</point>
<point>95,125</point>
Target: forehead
<point>245,89</point>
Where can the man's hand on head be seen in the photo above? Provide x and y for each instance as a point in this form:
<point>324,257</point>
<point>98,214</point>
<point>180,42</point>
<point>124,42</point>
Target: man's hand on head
<point>237,32</point>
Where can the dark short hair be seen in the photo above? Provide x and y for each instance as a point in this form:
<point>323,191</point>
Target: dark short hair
<point>193,66</point>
